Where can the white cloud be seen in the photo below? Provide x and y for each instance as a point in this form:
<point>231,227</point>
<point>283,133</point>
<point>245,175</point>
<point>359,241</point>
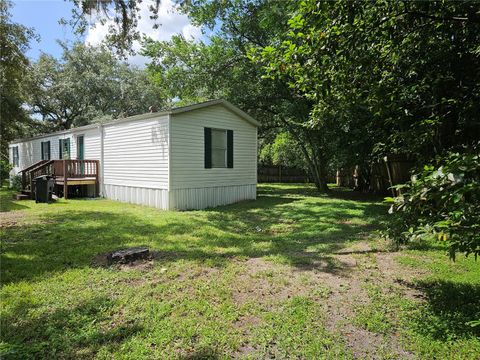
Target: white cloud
<point>170,20</point>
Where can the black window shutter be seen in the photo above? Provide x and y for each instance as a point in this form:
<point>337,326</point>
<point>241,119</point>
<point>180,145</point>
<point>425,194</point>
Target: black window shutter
<point>48,148</point>
<point>208,147</point>
<point>43,153</point>
<point>230,148</point>
<point>60,150</point>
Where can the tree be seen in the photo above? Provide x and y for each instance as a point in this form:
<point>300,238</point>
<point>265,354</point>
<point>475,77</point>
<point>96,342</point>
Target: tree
<point>14,42</point>
<point>122,15</point>
<point>87,83</point>
<point>221,68</point>
<point>405,76</point>
<point>410,69</point>
<point>282,151</point>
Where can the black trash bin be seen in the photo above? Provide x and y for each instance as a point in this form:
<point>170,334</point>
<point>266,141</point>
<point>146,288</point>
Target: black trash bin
<point>44,189</point>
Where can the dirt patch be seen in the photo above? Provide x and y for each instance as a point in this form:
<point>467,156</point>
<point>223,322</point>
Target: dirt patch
<point>13,219</point>
<point>401,277</point>
<point>143,265</point>
<point>348,293</point>
<point>340,292</point>
<point>266,283</point>
<point>103,260</point>
<point>246,323</point>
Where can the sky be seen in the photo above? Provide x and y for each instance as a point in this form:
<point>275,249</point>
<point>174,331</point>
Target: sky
<point>44,16</point>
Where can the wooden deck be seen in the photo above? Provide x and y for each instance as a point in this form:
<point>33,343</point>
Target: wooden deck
<point>76,181</point>
<point>65,173</point>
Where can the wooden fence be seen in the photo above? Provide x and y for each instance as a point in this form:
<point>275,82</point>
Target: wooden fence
<point>392,170</point>
<point>269,174</point>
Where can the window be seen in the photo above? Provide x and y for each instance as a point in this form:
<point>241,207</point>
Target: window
<point>45,150</point>
<point>15,157</point>
<point>218,148</point>
<point>64,148</point>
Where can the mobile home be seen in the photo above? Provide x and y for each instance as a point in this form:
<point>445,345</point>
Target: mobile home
<point>191,157</point>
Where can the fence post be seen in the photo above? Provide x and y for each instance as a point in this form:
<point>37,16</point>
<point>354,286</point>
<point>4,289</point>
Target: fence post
<point>389,172</point>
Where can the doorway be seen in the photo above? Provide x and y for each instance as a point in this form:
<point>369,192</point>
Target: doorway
<point>81,152</point>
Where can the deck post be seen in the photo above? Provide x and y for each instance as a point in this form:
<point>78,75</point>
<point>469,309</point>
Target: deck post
<point>32,194</point>
<point>97,184</point>
<point>65,186</point>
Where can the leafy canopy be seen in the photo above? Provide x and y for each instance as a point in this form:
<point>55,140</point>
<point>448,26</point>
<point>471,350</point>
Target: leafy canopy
<point>88,83</point>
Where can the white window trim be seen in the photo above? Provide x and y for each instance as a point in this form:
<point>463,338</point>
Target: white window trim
<point>225,160</point>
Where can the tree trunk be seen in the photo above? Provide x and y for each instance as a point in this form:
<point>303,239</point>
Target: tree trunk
<point>319,176</point>
<point>316,164</point>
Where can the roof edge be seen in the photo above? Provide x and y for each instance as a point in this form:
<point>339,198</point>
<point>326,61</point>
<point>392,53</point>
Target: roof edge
<point>225,103</point>
<point>145,116</point>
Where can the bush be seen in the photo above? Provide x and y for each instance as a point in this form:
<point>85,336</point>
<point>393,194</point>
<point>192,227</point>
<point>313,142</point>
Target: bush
<point>16,182</point>
<point>441,203</point>
<point>283,151</point>
<point>5,168</point>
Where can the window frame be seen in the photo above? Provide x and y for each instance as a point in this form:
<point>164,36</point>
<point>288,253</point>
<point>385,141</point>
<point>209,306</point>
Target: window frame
<point>15,156</point>
<point>225,150</point>
<point>45,145</point>
<point>61,147</point>
<point>208,148</point>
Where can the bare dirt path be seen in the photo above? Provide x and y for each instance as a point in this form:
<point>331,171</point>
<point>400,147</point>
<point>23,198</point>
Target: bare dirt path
<point>339,284</point>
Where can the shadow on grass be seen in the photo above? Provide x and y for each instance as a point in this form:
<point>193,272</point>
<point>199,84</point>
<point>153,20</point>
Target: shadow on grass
<point>7,203</point>
<point>309,190</point>
<point>450,306</point>
<point>275,225</point>
<point>67,332</point>
<point>288,223</point>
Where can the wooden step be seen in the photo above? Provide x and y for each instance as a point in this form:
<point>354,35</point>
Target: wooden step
<point>21,197</point>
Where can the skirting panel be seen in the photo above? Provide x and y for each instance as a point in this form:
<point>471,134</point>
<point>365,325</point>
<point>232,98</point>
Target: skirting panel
<point>201,198</point>
<point>135,195</point>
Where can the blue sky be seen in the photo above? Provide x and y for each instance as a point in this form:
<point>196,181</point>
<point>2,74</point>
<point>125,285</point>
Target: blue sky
<point>44,16</point>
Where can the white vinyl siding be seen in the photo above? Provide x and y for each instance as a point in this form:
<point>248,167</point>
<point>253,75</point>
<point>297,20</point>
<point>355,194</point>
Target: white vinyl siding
<point>138,195</point>
<point>30,151</point>
<point>136,153</point>
<point>91,144</point>
<point>159,159</point>
<point>187,149</point>
<point>201,198</point>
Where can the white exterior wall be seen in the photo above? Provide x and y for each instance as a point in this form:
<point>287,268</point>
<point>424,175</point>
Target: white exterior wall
<point>136,161</point>
<point>91,143</point>
<point>30,151</point>
<point>194,187</point>
<point>159,161</point>
<point>201,198</point>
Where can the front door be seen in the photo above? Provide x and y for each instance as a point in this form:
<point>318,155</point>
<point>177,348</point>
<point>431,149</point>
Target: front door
<point>81,152</point>
<point>80,148</point>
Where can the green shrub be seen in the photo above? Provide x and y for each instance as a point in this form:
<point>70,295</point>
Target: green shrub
<point>16,182</point>
<point>5,168</point>
<point>441,203</point>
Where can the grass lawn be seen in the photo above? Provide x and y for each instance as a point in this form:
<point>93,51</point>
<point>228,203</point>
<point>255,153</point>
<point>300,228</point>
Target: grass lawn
<point>291,275</point>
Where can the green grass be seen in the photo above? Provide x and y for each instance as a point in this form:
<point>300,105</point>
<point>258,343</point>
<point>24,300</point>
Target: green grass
<point>236,281</point>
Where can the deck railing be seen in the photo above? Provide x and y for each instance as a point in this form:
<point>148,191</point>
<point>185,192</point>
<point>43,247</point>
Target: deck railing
<point>79,168</point>
<point>26,172</point>
<point>65,169</point>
